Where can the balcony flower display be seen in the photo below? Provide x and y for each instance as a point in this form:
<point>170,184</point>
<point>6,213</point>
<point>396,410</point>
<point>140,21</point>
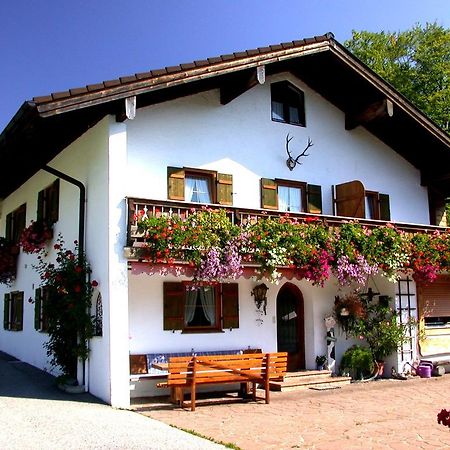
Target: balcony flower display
<point>216,248</point>
<point>34,237</point>
<point>8,261</point>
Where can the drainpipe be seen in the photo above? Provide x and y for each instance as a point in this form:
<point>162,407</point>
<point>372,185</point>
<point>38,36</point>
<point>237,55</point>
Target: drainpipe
<point>81,233</point>
<point>82,210</point>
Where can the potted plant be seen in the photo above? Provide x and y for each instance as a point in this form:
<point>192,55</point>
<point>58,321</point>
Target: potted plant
<point>34,237</point>
<point>358,361</point>
<point>70,324</point>
<point>321,361</point>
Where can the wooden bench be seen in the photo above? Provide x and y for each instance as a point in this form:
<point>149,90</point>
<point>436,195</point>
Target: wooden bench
<point>252,368</point>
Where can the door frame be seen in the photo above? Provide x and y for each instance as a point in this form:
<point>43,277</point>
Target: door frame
<point>300,311</point>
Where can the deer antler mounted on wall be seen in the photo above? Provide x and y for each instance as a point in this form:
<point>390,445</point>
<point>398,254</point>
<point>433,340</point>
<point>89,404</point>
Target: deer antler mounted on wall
<point>291,162</point>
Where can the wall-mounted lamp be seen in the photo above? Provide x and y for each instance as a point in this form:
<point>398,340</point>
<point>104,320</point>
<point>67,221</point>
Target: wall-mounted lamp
<point>260,294</point>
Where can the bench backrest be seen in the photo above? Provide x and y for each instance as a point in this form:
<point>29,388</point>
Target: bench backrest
<point>227,368</point>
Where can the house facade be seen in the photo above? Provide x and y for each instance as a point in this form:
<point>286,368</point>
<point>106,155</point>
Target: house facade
<point>226,133</point>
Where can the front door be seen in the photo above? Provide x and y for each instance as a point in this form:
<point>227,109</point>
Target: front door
<point>290,325</point>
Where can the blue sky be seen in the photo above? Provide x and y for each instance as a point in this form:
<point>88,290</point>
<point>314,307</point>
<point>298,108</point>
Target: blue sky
<point>53,45</point>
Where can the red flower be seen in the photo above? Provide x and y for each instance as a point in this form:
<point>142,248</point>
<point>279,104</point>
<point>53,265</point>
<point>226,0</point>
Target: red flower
<point>56,246</point>
<point>94,283</point>
<point>77,288</point>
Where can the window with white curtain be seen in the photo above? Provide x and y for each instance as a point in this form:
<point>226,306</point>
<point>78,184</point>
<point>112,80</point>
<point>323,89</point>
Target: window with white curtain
<point>197,189</point>
<point>289,198</point>
<point>200,307</point>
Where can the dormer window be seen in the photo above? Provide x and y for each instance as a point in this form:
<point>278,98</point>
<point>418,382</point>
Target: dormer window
<point>288,104</point>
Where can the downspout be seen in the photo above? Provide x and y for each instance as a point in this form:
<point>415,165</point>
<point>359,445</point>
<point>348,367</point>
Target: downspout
<point>81,233</point>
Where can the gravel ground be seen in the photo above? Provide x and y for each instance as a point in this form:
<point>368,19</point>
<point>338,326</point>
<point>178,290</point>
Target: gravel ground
<point>34,414</point>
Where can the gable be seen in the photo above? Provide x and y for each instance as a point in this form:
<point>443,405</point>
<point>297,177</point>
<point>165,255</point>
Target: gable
<point>45,126</point>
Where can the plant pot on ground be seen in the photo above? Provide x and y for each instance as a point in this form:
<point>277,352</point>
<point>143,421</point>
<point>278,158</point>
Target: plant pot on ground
<point>358,361</point>
<point>321,361</point>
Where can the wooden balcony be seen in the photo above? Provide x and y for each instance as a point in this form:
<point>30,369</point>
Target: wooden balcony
<point>242,215</point>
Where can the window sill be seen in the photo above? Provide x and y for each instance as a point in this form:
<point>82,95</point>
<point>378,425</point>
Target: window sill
<point>202,330</point>
<point>289,123</point>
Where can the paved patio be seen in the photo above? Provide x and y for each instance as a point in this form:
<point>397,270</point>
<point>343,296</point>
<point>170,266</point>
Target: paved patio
<point>384,414</point>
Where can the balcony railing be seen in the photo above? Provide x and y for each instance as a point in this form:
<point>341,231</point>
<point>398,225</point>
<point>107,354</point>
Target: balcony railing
<point>243,215</point>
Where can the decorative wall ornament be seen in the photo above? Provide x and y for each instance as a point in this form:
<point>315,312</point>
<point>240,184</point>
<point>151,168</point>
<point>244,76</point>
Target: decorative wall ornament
<point>291,162</point>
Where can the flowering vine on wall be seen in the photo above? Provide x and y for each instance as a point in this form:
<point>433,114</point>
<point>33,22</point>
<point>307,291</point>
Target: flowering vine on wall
<point>217,249</point>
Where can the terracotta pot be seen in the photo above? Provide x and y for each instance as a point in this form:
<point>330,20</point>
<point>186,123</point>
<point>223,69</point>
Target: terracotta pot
<point>379,368</point>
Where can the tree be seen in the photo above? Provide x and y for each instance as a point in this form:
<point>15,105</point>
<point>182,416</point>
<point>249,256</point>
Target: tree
<point>416,62</point>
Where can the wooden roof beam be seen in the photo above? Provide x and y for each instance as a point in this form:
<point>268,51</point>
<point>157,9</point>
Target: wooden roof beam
<point>382,108</point>
<point>238,85</point>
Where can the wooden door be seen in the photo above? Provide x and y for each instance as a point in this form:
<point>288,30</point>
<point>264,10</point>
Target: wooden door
<point>290,326</point>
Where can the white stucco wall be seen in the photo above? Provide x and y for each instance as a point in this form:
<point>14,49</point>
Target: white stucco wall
<point>240,138</point>
<point>87,161</point>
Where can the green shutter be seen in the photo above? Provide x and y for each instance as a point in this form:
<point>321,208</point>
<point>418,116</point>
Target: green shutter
<point>173,307</point>
<point>175,183</point>
<point>20,217</point>
<point>18,311</point>
<point>37,309</point>
<point>224,189</point>
<point>53,203</point>
<point>6,312</point>
<point>385,210</point>
<point>314,198</point>
<point>230,305</point>
<point>8,229</point>
<point>41,205</point>
<point>269,195</point>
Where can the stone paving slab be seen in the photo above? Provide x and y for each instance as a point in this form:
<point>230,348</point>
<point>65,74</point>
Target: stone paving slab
<point>383,414</point>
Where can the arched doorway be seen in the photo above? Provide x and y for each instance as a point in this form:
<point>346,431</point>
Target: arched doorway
<point>290,325</point>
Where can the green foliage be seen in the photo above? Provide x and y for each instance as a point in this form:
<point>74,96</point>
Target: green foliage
<point>374,322</point>
<point>358,359</point>
<point>416,62</point>
<point>68,306</point>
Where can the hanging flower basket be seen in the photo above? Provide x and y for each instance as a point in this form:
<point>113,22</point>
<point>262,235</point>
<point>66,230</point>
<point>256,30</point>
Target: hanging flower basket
<point>34,238</point>
<point>8,261</point>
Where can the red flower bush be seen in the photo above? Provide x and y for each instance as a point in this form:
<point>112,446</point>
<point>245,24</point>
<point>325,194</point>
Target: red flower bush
<point>35,236</point>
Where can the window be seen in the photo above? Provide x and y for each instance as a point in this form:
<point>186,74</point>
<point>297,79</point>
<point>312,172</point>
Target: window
<point>48,204</point>
<point>202,308</point>
<point>41,299</point>
<point>13,311</point>
<point>352,200</point>
<point>15,223</point>
<point>288,104</point>
<point>199,186</point>
<point>291,196</point>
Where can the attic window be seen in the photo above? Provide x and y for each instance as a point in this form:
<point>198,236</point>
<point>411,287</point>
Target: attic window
<point>288,104</point>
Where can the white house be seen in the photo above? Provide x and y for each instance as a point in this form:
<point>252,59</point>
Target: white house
<point>216,132</point>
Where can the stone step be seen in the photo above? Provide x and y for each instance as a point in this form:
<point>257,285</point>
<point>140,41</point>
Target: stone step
<point>309,382</point>
<point>305,374</point>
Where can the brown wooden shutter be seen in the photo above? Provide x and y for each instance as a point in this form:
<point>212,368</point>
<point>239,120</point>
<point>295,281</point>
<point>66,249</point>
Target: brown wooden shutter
<point>224,189</point>
<point>7,312</point>
<point>53,203</point>
<point>314,198</point>
<point>230,305</point>
<point>175,183</point>
<point>37,309</point>
<point>350,199</point>
<point>385,210</point>
<point>18,309</point>
<point>174,300</point>
<point>269,194</point>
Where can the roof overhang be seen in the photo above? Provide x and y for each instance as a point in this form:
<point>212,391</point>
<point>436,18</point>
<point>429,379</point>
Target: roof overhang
<point>44,127</point>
